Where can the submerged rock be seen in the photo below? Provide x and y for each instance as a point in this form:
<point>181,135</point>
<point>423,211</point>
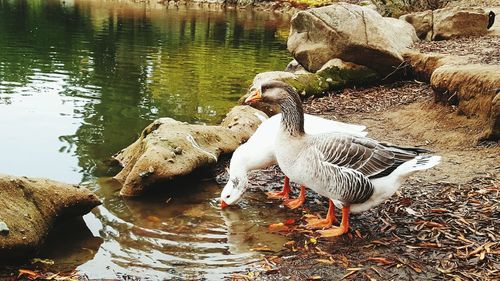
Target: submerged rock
<point>351,33</point>
<point>168,149</point>
<point>29,207</point>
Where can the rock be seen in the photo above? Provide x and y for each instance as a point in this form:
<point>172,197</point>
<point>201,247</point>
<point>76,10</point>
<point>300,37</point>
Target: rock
<point>494,132</point>
<point>295,68</point>
<point>422,22</point>
<point>473,89</point>
<point>369,4</point>
<point>335,74</point>
<point>459,21</point>
<point>272,75</point>
<point>423,65</point>
<point>150,160</point>
<point>449,23</point>
<point>351,33</point>
<point>31,206</point>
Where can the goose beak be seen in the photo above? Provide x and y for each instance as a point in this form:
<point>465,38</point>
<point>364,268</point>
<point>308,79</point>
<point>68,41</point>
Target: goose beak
<point>255,96</point>
<point>223,204</point>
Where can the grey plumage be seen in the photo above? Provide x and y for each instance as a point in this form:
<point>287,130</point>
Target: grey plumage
<point>343,165</point>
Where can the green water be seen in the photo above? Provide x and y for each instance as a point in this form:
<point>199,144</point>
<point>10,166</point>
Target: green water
<point>79,80</point>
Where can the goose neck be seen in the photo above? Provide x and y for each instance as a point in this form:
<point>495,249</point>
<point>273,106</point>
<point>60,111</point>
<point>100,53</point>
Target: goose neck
<point>292,117</point>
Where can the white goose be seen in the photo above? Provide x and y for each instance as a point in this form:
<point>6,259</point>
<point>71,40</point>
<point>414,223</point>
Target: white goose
<point>258,153</point>
<point>356,172</point>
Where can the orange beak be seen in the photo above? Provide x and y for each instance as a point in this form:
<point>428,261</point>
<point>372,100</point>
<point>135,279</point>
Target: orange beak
<point>223,204</point>
<point>255,96</point>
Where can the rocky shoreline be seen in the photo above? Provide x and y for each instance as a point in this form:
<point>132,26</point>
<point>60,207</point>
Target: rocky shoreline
<point>343,55</point>
<point>334,50</point>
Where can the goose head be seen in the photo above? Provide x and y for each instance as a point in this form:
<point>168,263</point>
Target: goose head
<point>274,92</point>
<point>282,94</point>
<point>233,191</point>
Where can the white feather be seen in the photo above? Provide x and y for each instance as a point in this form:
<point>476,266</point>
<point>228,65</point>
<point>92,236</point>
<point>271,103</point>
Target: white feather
<point>386,186</point>
<point>259,151</point>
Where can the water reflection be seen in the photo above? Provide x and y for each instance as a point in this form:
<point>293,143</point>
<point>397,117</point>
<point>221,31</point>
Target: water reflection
<point>80,79</point>
<point>117,66</point>
<point>178,234</point>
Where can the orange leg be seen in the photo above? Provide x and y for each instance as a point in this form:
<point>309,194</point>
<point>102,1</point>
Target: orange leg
<point>323,223</point>
<point>337,231</point>
<point>297,202</point>
<point>281,194</point>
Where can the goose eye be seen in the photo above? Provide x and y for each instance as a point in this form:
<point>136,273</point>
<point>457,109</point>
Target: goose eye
<point>229,195</point>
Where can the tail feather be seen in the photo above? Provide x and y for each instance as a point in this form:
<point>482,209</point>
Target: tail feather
<point>419,163</point>
<point>415,150</point>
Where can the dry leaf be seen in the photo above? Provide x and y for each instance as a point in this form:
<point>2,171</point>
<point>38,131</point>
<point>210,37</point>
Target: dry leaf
<point>278,227</point>
<point>30,273</point>
<point>380,260</point>
<point>153,219</point>
<point>325,261</point>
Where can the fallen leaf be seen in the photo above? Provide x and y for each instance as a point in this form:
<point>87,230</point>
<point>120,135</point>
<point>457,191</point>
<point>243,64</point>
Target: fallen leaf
<point>31,274</point>
<point>410,211</point>
<point>482,255</point>
<point>325,261</point>
<point>428,245</point>
<point>289,221</point>
<point>153,219</point>
<point>314,277</point>
<point>262,249</point>
<point>278,227</point>
<point>415,268</point>
<point>439,210</point>
<point>380,260</point>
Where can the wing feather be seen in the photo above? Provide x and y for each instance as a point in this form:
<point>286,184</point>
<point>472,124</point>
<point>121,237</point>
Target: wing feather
<point>350,185</point>
<point>361,154</point>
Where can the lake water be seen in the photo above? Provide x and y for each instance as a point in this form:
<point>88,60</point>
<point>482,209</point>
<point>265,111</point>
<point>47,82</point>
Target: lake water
<point>79,80</point>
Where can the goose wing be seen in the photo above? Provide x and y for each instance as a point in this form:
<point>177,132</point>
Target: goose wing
<point>367,156</point>
<point>339,182</point>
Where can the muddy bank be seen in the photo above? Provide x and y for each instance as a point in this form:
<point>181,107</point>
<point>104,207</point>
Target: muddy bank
<point>29,208</point>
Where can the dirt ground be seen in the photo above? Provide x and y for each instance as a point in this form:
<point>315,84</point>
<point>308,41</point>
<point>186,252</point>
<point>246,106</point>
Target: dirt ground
<point>442,225</point>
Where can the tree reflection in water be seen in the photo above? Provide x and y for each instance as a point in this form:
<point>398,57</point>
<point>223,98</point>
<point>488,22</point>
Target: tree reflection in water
<point>120,66</point>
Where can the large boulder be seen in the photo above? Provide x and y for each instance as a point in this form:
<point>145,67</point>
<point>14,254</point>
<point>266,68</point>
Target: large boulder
<point>459,21</point>
<point>29,207</point>
<point>168,149</point>
<point>473,89</point>
<point>449,23</point>
<point>351,33</point>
